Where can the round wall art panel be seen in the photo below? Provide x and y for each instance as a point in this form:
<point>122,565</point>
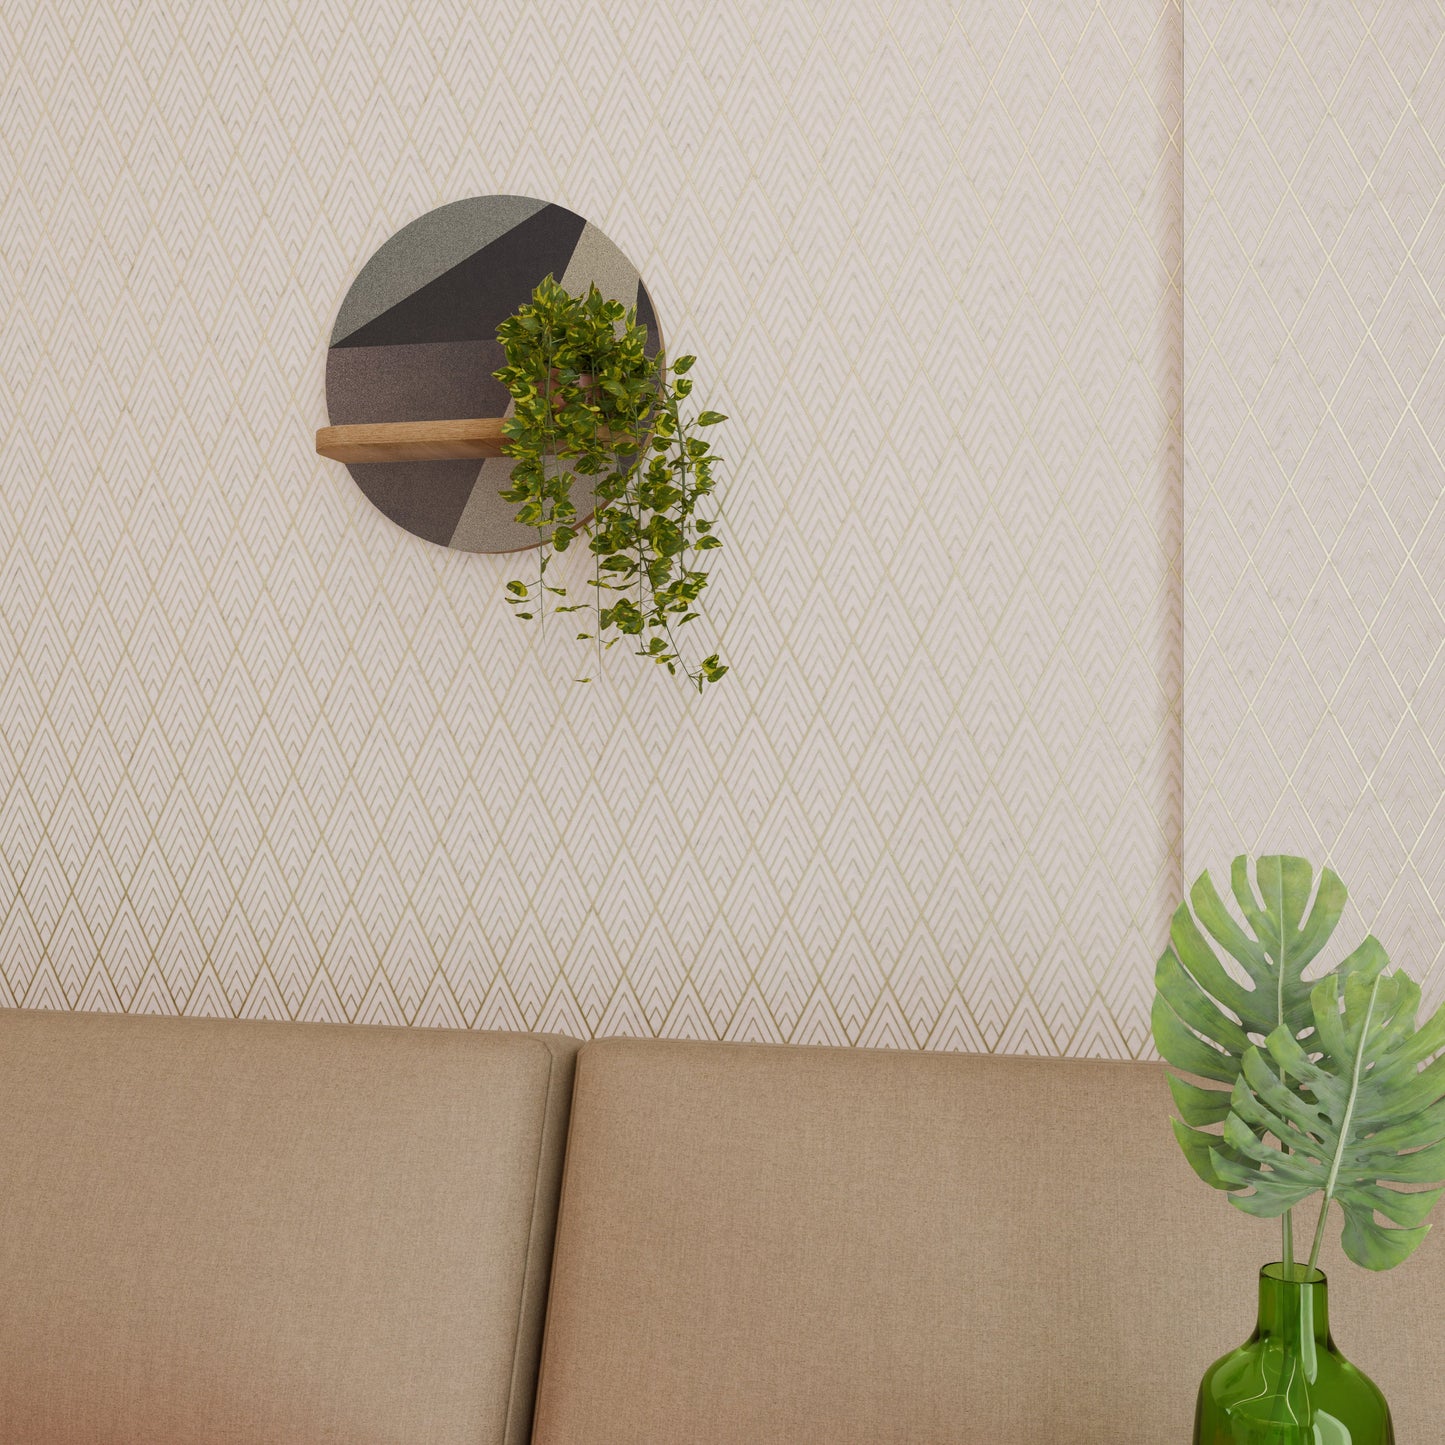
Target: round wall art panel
<point>416,342</point>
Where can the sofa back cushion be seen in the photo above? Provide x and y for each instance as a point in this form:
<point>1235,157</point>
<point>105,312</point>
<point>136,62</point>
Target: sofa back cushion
<point>240,1232</point>
<point>820,1245</point>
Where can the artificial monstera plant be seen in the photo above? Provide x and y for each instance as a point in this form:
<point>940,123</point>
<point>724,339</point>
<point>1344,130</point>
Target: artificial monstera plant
<point>589,400</point>
<point>1301,1087</point>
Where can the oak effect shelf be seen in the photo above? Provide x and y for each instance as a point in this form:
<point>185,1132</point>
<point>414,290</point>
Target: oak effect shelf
<point>412,441</point>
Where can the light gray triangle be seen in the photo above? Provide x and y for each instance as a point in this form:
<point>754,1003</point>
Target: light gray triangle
<point>597,262</point>
<point>423,250</point>
<point>487,523</point>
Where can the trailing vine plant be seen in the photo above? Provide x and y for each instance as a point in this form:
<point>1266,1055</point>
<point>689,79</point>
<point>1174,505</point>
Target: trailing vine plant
<point>589,401</point>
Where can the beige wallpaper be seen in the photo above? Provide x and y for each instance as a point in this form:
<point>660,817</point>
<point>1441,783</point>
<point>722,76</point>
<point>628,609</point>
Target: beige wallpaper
<point>1314,713</point>
<point>263,753</point>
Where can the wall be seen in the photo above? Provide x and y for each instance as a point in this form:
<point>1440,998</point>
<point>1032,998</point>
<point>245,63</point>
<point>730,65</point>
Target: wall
<point>263,753</point>
<point>1314,714</point>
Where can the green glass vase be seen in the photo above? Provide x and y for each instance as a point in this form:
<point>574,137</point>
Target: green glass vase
<point>1287,1384</point>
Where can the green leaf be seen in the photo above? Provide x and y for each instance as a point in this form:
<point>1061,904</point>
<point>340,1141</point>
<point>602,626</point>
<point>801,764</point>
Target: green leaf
<point>1198,1107</point>
<point>1336,1108</point>
<point>1186,1050</point>
<point>1207,1018</point>
<point>1201,1150</point>
<point>710,418</point>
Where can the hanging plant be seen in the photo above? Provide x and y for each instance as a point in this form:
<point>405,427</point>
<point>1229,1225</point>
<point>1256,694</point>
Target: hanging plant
<point>589,401</point>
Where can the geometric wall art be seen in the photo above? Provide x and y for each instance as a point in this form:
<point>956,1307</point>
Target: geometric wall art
<point>416,341</point>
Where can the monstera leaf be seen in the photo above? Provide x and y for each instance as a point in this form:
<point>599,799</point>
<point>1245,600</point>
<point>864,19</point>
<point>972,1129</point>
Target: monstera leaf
<point>1354,1110</point>
<point>1205,1019</point>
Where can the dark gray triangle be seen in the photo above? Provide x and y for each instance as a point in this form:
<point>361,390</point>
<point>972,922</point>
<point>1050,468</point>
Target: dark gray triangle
<point>423,249</point>
<point>469,301</point>
<point>647,317</point>
<point>427,498</point>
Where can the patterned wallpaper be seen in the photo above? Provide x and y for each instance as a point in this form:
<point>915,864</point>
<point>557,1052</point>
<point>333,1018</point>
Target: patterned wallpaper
<point>263,753</point>
<point>1314,713</point>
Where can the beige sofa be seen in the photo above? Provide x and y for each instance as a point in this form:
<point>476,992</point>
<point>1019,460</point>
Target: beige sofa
<point>223,1233</point>
<point>217,1231</point>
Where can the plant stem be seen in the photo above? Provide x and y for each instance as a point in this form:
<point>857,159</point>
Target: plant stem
<point>549,448</point>
<point>1287,1219</point>
<point>682,479</point>
<point>1319,1231</point>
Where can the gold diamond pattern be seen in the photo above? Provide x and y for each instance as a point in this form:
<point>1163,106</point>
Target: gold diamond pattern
<point>1314,210</point>
<point>263,753</point>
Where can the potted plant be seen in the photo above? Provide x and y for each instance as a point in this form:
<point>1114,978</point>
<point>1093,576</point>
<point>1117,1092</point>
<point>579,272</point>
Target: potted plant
<point>1299,1090</point>
<point>589,400</point>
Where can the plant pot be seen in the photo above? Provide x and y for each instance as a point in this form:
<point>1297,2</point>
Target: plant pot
<point>1288,1384</point>
<point>587,386</point>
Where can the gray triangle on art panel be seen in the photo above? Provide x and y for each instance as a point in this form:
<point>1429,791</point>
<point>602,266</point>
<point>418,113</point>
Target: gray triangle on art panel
<point>471,299</point>
<point>487,523</point>
<point>429,512</point>
<point>647,317</point>
<point>596,261</point>
<point>423,381</point>
<point>425,249</point>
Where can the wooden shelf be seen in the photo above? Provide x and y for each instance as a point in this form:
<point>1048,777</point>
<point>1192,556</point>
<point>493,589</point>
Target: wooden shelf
<point>412,441</point>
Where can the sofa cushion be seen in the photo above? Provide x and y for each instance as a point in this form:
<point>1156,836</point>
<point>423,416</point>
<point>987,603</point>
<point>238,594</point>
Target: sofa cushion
<point>818,1245</point>
<point>240,1232</point>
